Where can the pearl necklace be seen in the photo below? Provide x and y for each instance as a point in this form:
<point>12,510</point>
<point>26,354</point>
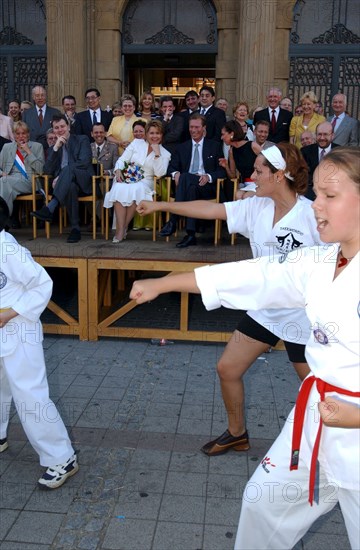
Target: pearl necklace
<point>342,260</point>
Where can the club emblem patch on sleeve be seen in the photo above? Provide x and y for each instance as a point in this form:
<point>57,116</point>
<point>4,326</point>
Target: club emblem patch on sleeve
<point>3,280</point>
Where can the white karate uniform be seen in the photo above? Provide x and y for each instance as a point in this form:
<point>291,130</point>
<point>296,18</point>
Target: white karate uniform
<point>254,218</point>
<point>26,287</point>
<point>275,510</point>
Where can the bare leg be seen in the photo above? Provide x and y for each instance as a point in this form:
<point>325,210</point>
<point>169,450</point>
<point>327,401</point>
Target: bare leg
<point>239,354</point>
<point>302,370</point>
<point>130,213</point>
<point>120,216</point>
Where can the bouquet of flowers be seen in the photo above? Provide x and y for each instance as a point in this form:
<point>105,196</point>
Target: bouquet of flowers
<point>132,173</point>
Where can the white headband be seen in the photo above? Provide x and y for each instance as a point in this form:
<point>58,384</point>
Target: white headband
<point>274,156</point>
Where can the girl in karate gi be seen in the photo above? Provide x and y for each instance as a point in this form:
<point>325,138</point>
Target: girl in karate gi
<point>316,456</point>
<point>25,290</point>
<point>277,220</point>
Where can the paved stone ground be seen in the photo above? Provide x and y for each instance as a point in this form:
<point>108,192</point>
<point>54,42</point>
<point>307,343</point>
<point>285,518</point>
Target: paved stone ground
<point>138,415</point>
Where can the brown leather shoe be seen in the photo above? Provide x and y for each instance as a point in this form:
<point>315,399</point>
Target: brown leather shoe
<point>225,443</point>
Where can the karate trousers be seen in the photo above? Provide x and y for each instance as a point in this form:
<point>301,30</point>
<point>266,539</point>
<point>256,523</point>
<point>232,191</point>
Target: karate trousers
<point>23,378</point>
<point>275,512</point>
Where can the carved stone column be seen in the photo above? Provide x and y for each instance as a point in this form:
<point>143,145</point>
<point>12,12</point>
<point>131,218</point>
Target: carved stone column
<point>66,49</point>
<point>256,49</point>
<point>227,23</point>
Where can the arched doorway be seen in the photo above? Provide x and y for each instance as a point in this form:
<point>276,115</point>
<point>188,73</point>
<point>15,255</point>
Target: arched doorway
<point>168,46</point>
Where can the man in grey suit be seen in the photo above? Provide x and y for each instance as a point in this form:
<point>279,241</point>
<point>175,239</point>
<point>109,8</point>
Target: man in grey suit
<point>346,128</point>
<point>39,117</point>
<point>19,160</point>
<point>69,161</point>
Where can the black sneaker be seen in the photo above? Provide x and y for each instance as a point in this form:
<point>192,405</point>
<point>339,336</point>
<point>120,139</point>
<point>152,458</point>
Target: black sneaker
<point>3,445</point>
<point>57,475</point>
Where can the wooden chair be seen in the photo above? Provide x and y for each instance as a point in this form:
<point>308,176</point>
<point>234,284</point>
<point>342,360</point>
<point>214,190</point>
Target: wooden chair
<point>31,198</point>
<point>162,187</point>
<point>98,182</point>
<point>218,223</point>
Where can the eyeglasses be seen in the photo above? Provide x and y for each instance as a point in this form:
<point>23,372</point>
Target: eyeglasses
<point>89,97</point>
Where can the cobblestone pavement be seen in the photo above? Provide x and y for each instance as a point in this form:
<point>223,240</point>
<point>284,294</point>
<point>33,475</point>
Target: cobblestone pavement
<point>138,415</point>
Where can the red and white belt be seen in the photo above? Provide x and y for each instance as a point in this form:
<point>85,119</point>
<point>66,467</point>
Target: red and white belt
<point>300,407</point>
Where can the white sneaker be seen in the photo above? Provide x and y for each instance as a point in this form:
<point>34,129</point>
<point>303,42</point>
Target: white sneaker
<point>57,475</point>
<point>3,445</point>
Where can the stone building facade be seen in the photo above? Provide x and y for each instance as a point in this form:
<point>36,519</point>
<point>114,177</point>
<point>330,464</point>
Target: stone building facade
<point>242,47</point>
<point>85,43</point>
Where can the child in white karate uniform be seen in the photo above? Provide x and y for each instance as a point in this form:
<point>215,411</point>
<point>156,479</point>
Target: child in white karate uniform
<point>25,290</point>
<point>314,463</point>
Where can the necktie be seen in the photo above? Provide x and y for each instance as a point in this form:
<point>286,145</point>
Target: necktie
<point>322,154</point>
<point>203,111</point>
<point>41,118</point>
<point>334,121</point>
<point>65,156</point>
<point>273,121</point>
<point>94,117</point>
<point>98,151</point>
<point>196,160</point>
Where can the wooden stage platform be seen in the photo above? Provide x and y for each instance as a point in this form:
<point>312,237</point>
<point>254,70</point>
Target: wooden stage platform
<point>92,280</point>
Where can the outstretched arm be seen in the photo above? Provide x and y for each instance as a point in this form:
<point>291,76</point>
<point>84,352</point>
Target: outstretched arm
<point>203,210</point>
<point>149,289</point>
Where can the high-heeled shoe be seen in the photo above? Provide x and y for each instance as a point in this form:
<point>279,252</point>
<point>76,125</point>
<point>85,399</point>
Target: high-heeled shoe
<point>116,240</point>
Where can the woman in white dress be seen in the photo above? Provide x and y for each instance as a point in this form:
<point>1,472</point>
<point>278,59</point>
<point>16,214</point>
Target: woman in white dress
<point>153,159</point>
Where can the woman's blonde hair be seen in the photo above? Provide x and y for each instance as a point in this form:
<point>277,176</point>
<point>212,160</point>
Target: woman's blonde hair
<point>310,96</point>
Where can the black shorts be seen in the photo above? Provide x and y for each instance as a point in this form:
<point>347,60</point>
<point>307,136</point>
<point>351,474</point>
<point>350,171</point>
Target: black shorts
<point>251,328</point>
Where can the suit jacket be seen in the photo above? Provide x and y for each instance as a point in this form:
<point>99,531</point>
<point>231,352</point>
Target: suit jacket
<point>33,163</point>
<point>108,155</point>
<point>173,130</point>
<point>37,132</point>
<point>85,122</point>
<point>3,141</point>
<point>6,126</point>
<point>215,121</point>
<point>348,132</point>
<point>79,160</point>
<point>311,156</point>
<point>282,124</point>
<point>75,127</point>
<point>211,152</point>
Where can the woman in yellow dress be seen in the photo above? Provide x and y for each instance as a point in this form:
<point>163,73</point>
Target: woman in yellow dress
<point>120,131</point>
<point>307,121</point>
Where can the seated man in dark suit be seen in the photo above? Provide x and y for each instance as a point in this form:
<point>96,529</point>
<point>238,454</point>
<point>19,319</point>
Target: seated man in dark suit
<point>93,114</point>
<point>215,118</point>
<point>39,117</point>
<point>315,152</point>
<point>279,118</point>
<point>70,162</point>
<point>195,169</point>
<point>172,124</point>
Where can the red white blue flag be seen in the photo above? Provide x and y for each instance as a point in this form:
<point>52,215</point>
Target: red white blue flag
<point>19,163</point>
